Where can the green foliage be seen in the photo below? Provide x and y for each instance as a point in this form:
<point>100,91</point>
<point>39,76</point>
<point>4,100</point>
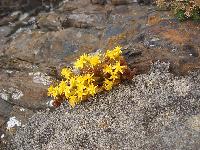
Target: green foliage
<point>180,15</point>
<point>183,9</point>
<point>196,15</point>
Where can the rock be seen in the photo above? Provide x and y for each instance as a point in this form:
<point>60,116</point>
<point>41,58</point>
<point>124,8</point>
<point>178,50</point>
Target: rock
<point>2,121</point>
<point>122,2</point>
<point>52,47</point>
<point>35,51</point>
<point>24,90</point>
<point>194,122</point>
<point>4,31</point>
<point>23,114</point>
<point>168,43</point>
<point>101,2</point>
<point>79,21</point>
<point>67,7</point>
<point>10,5</point>
<point>144,114</point>
<point>5,107</point>
<point>146,2</point>
<point>49,22</point>
<point>11,18</point>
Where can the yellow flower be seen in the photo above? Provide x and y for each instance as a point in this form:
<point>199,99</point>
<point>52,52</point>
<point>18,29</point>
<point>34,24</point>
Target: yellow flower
<point>118,67</point>
<point>80,95</point>
<point>108,84</point>
<point>53,91</point>
<point>50,90</point>
<point>66,73</point>
<point>84,58</point>
<point>79,63</point>
<point>67,91</point>
<point>72,100</point>
<point>117,50</point>
<point>94,60</point>
<point>108,69</point>
<point>80,79</point>
<point>72,82</point>
<point>114,76</point>
<point>62,87</point>
<point>110,54</point>
<point>88,77</point>
<point>91,89</point>
<point>115,53</point>
<point>78,86</point>
<point>80,90</point>
<point>81,87</point>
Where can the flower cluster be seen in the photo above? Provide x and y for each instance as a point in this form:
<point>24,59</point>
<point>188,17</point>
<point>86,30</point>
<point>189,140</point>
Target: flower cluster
<point>184,9</point>
<point>93,74</point>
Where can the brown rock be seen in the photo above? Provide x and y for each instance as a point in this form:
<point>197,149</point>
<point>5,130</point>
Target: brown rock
<point>2,121</point>
<point>23,89</point>
<point>121,2</point>
<point>22,114</point>
<point>167,41</point>
<point>5,107</point>
<point>32,52</point>
<point>154,20</point>
<point>175,36</point>
<point>194,122</point>
<point>101,2</point>
<point>52,47</point>
<point>49,22</point>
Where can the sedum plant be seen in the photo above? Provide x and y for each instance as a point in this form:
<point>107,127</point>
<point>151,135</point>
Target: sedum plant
<point>92,74</point>
<point>183,9</point>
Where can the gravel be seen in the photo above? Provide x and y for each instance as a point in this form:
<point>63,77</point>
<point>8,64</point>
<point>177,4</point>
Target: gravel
<point>155,111</point>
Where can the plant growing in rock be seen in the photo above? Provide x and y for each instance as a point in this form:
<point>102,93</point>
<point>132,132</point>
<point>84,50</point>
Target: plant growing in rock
<point>183,9</point>
<point>92,74</point>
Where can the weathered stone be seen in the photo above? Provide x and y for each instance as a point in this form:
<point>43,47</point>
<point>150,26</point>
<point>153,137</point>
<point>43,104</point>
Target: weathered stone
<point>26,5</point>
<point>2,121</point>
<point>23,89</point>
<point>101,2</point>
<point>11,18</point>
<point>146,2</point>
<point>52,47</point>
<point>170,43</point>
<point>122,2</point>
<point>194,122</point>
<point>34,54</point>
<point>5,107</point>
<point>4,31</point>
<point>23,114</point>
<point>49,22</point>
<point>68,7</point>
<point>82,20</point>
<point>152,112</point>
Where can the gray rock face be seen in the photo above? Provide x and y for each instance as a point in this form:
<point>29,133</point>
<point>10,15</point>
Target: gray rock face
<point>156,111</point>
<point>145,1</point>
<point>101,2</point>
<point>122,2</point>
<point>35,44</point>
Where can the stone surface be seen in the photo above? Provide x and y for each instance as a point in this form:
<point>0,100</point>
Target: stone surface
<point>48,22</point>
<point>194,122</point>
<point>101,2</point>
<point>35,43</point>
<point>122,2</point>
<point>167,40</point>
<point>148,113</point>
